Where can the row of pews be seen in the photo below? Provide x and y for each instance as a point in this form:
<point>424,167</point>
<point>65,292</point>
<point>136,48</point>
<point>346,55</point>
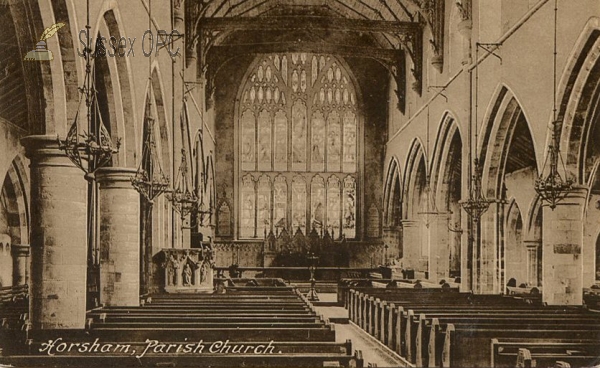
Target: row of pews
<point>436,328</point>
<point>251,326</point>
<point>14,308</point>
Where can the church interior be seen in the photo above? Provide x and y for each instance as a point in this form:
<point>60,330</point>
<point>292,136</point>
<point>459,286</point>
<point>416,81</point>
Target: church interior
<point>307,183</point>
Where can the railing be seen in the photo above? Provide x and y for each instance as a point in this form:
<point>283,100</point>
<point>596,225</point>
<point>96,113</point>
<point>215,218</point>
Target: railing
<point>301,273</point>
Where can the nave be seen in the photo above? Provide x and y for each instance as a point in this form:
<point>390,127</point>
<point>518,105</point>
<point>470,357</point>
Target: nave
<point>267,322</point>
<point>439,156</point>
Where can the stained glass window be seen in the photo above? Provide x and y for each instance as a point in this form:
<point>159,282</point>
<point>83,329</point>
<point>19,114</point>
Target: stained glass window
<point>298,129</point>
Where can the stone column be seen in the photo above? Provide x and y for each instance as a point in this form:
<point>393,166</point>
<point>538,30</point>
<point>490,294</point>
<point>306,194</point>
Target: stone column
<point>562,259</point>
<point>58,236</point>
<point>119,237</point>
<point>20,255</point>
<point>411,244</point>
<point>533,247</point>
<point>439,252</point>
<point>487,250</point>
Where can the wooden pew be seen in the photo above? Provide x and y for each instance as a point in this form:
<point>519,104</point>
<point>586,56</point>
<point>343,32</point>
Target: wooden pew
<point>578,353</point>
<point>459,341</point>
<point>417,324</point>
<point>429,340</point>
<point>281,316</point>
<point>403,330</point>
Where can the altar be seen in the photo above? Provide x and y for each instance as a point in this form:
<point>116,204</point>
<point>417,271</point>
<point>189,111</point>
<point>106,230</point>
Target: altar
<point>187,270</point>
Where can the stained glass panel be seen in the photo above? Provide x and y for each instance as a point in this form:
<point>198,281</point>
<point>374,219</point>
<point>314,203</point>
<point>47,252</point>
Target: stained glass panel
<point>281,201</point>
<point>264,141</point>
<point>281,131</point>
<point>248,208</point>
<point>333,206</point>
<point>317,158</point>
<point>247,147</point>
<point>317,196</point>
<point>349,142</point>
<point>349,220</point>
<point>334,142</point>
<point>299,136</point>
<point>299,204</point>
<point>263,206</point>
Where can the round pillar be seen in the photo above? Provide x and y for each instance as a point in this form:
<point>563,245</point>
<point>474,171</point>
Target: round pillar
<point>58,236</point>
<point>20,254</point>
<point>119,237</point>
<point>562,257</point>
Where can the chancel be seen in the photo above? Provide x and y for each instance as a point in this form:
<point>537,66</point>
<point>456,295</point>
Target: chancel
<point>299,183</point>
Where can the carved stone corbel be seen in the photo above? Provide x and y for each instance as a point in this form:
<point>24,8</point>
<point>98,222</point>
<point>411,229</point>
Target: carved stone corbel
<point>412,43</point>
<point>432,11</point>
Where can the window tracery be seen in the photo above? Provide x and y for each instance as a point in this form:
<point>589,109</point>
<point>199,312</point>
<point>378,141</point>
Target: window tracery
<point>298,132</point>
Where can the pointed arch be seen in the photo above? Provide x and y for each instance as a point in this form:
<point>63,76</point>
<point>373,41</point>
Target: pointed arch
<point>447,182</point>
<point>124,114</point>
<point>14,202</point>
<point>298,120</point>
<point>514,250</point>
<point>392,202</point>
<point>446,158</point>
<point>414,180</point>
<point>507,145</point>
<point>579,104</point>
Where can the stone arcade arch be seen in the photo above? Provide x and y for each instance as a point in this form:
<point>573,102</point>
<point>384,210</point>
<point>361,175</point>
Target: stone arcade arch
<point>392,215</point>
<point>509,170</point>
<point>414,235</point>
<point>447,168</point>
<point>155,224</point>
<point>14,225</point>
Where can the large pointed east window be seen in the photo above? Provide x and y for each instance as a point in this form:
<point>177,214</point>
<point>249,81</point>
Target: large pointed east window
<point>298,153</point>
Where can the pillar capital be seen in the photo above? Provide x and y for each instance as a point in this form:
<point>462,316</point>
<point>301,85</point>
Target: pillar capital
<point>20,250</point>
<point>115,177</point>
<point>44,150</point>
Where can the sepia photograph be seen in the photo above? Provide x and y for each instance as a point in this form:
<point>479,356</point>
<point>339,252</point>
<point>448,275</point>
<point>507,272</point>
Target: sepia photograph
<point>300,183</point>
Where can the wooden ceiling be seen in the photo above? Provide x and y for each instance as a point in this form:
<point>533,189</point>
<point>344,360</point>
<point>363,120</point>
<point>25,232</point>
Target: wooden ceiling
<point>13,99</point>
<point>392,10</point>
<point>521,153</point>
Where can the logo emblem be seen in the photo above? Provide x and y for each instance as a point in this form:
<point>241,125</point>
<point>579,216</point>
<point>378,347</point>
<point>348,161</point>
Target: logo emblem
<point>41,52</point>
